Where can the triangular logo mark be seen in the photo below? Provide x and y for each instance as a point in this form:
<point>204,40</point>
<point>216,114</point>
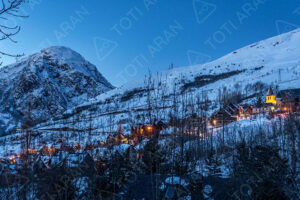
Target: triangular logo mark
<point>104,47</point>
<point>203,10</point>
<point>283,26</point>
<point>195,57</point>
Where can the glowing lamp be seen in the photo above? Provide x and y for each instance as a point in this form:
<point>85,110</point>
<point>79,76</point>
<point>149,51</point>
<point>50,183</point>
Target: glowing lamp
<point>272,108</point>
<point>149,128</point>
<point>13,160</point>
<point>141,131</point>
<point>215,122</point>
<point>125,140</point>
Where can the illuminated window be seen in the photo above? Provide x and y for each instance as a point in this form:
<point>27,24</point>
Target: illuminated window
<point>149,128</point>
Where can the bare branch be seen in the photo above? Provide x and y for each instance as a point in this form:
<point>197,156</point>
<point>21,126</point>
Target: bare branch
<point>11,55</point>
<point>8,9</point>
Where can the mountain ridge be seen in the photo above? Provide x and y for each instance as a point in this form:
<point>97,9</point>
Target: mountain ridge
<point>272,62</point>
<point>258,59</point>
<point>46,84</point>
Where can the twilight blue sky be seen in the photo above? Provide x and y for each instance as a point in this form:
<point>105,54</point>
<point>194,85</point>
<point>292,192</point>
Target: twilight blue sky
<point>127,38</point>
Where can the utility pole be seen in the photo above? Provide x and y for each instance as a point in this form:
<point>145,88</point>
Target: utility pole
<point>279,75</point>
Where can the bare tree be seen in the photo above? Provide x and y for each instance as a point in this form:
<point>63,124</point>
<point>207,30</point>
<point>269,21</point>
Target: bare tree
<point>8,9</point>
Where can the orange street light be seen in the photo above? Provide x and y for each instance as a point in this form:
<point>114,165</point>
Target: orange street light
<point>149,128</point>
<point>214,122</point>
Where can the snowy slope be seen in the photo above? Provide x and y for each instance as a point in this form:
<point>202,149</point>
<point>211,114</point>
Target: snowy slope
<point>46,84</point>
<point>271,62</point>
<point>260,61</point>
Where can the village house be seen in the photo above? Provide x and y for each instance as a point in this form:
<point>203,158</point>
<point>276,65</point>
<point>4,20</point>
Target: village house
<point>269,105</point>
<point>234,112</point>
<point>226,115</point>
<point>288,100</point>
<point>271,97</point>
<point>285,101</point>
<point>266,107</point>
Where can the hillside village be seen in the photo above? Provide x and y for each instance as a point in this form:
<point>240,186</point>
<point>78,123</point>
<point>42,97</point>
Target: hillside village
<point>149,100</point>
<point>284,102</point>
<point>181,126</point>
<point>86,158</point>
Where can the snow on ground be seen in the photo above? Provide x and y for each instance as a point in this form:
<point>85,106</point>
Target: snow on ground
<point>207,191</point>
<point>11,144</point>
<point>275,61</point>
<point>280,52</point>
<point>176,180</point>
<point>46,83</point>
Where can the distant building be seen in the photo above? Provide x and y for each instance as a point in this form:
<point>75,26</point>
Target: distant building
<point>271,98</point>
<point>259,108</point>
<point>264,108</point>
<point>226,115</point>
<point>254,110</point>
<point>284,101</point>
<point>148,130</point>
<point>289,100</point>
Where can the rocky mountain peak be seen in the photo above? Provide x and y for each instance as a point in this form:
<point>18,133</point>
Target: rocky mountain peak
<point>45,84</point>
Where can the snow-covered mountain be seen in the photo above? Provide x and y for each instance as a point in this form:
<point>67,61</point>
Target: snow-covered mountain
<point>271,62</point>
<point>46,84</point>
<point>181,91</point>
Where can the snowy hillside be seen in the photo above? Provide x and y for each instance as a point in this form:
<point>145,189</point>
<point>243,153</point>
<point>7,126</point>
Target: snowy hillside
<point>46,84</point>
<point>272,62</point>
<point>182,93</point>
<point>260,61</point>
